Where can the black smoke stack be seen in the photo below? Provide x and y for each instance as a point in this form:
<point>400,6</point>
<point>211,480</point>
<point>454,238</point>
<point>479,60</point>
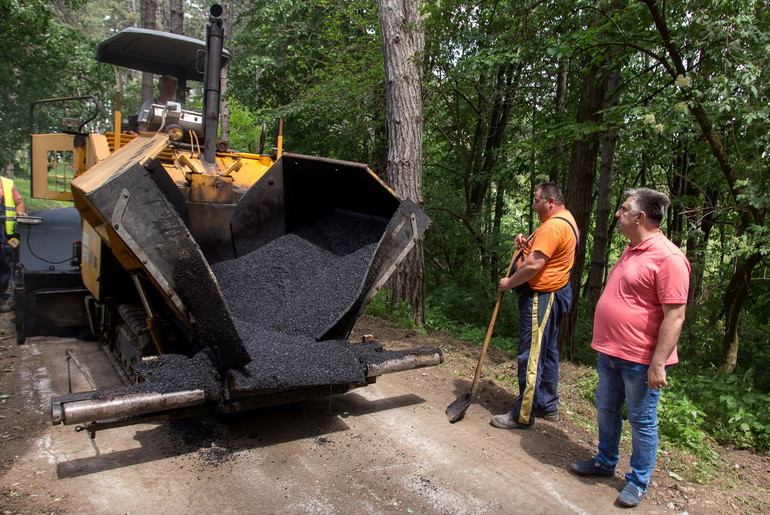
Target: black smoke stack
<point>214,37</point>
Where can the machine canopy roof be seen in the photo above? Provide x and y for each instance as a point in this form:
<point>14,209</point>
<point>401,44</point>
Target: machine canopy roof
<point>153,51</point>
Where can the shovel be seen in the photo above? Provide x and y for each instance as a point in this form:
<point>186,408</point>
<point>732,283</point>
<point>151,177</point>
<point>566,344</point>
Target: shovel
<point>456,410</point>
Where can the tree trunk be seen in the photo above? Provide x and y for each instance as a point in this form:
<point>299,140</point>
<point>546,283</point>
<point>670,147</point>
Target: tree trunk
<point>176,16</point>
<point>505,91</point>
<point>379,159</point>
<point>735,295</point>
<point>403,41</point>
<point>598,265</point>
<point>604,214</point>
<point>696,246</point>
<point>224,106</point>
<point>561,109</point>
<point>149,21</point>
<point>497,223</point>
<point>582,172</point>
<point>680,187</point>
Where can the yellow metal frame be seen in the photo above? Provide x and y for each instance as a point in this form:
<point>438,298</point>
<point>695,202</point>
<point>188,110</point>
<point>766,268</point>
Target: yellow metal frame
<point>90,264</point>
<point>140,150</point>
<point>53,166</point>
<point>56,161</point>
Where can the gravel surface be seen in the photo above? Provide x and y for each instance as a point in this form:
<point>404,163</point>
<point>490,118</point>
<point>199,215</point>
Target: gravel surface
<point>384,449</point>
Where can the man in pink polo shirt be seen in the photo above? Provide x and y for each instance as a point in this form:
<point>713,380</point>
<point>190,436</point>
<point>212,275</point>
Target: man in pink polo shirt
<point>636,328</point>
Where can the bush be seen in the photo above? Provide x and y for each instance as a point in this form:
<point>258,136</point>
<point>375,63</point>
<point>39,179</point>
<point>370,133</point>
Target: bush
<point>697,409</point>
<point>726,406</point>
<point>436,320</point>
<point>682,423</point>
<point>397,312</point>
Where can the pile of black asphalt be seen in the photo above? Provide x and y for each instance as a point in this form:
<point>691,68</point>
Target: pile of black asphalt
<point>303,281</point>
<point>280,296</point>
<point>171,373</point>
<point>285,293</point>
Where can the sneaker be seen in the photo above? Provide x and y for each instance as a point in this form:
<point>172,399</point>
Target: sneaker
<point>550,416</point>
<point>591,468</point>
<point>5,307</point>
<point>507,422</point>
<point>631,496</point>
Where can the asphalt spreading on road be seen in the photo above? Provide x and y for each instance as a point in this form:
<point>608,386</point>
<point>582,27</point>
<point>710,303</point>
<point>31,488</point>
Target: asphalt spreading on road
<point>281,296</point>
<point>170,373</point>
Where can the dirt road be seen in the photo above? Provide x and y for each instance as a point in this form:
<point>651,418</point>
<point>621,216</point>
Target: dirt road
<point>386,448</point>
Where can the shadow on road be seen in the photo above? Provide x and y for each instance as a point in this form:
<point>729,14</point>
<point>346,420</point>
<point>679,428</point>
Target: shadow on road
<point>218,437</point>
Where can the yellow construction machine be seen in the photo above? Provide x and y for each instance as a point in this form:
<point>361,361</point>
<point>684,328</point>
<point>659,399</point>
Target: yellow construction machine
<point>218,280</point>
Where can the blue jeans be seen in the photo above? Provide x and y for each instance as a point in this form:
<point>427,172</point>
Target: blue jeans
<point>619,381</point>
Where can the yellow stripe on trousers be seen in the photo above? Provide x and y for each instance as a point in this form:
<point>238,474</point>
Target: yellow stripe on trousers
<point>534,356</point>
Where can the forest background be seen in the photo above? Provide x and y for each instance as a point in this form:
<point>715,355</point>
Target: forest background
<point>597,96</point>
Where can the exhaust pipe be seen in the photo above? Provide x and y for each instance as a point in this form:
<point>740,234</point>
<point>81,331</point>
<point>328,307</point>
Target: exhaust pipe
<point>212,86</point>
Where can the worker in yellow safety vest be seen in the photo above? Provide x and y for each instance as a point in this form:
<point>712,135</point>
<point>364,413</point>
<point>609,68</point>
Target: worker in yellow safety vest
<point>14,206</point>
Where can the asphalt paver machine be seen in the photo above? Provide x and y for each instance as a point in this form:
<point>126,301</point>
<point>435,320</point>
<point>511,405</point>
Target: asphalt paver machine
<point>217,280</point>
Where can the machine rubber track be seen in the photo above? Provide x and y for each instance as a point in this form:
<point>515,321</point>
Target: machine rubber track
<point>134,342</point>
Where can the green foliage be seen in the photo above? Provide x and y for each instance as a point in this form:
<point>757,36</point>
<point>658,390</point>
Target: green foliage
<point>33,204</point>
<point>682,423</point>
<point>436,320</point>
<point>697,409</point>
<point>587,387</point>
<point>755,335</point>
<point>318,65</point>
<point>700,338</point>
<point>701,341</point>
<point>247,136</point>
<point>726,407</point>
<point>399,313</point>
<point>43,58</point>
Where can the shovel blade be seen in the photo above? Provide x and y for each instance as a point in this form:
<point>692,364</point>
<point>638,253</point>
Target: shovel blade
<point>456,410</point>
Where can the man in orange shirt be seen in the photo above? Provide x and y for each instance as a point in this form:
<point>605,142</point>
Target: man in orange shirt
<point>545,294</point>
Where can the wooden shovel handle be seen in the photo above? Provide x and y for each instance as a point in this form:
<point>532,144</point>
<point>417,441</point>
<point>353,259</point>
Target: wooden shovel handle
<point>488,337</point>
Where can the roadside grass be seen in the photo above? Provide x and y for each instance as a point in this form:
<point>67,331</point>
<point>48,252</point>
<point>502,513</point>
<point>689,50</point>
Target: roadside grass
<point>34,205</point>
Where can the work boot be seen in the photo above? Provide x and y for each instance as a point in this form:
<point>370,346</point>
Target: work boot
<point>631,496</point>
<point>507,422</point>
<point>550,416</point>
<point>591,468</point>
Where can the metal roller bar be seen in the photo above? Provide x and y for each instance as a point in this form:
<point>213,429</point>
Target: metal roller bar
<point>405,363</point>
<point>90,410</point>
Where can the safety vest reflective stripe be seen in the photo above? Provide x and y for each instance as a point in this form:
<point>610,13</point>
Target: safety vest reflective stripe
<point>10,206</point>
